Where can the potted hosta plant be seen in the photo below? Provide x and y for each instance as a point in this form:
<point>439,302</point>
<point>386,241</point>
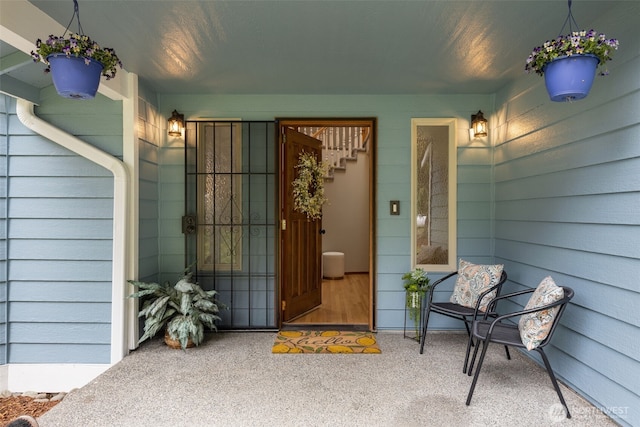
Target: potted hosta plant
<point>416,285</point>
<point>76,63</point>
<point>181,310</point>
<point>569,63</point>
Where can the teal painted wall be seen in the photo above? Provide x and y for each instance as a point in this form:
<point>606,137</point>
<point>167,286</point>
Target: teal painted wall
<point>150,134</point>
<point>60,220</point>
<point>393,180</point>
<point>567,203</point>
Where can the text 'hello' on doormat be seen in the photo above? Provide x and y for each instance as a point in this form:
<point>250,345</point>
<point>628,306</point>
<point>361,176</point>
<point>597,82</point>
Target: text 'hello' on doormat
<point>325,342</point>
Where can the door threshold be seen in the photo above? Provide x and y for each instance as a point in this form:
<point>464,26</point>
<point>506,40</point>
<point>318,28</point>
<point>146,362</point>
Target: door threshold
<point>325,327</point>
<point>300,316</point>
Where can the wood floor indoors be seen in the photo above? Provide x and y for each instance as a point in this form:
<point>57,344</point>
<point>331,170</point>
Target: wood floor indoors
<point>344,301</point>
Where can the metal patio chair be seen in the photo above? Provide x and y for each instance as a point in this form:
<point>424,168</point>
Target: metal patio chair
<point>460,312</point>
<point>487,331</point>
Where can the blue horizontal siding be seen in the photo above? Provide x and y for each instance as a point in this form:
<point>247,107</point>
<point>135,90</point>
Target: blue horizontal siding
<point>602,238</point>
<point>585,265</point>
<point>475,228</point>
<point>148,190</point>
<point>80,250</point>
<point>50,166</point>
<point>48,270</point>
<point>71,312</point>
<point>61,187</point>
<point>59,333</point>
<point>31,145</point>
<point>605,329</point>
<point>5,102</point>
<point>47,208</point>
<point>593,385</point>
<point>470,247</point>
<point>59,353</point>
<point>567,193</point>
<point>473,211</point>
<point>148,252</point>
<point>60,224</point>
<point>597,179</point>
<point>593,209</point>
<point>148,234</point>
<point>474,174</point>
<point>63,291</point>
<point>474,192</point>
<point>61,228</point>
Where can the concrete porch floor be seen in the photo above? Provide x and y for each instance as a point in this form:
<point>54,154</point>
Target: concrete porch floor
<point>233,379</point>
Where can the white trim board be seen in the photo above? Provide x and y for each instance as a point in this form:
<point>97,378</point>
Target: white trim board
<point>4,377</point>
<point>48,378</point>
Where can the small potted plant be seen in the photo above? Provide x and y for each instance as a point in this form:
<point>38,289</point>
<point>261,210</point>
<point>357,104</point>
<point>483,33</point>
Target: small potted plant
<point>76,63</point>
<point>569,63</point>
<point>181,310</point>
<point>416,285</point>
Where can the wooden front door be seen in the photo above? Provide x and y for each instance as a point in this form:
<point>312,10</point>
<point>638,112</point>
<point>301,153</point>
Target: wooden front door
<point>300,237</point>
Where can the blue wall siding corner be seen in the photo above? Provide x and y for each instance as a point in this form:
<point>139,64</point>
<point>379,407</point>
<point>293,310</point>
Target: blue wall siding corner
<point>567,198</point>
<point>59,214</point>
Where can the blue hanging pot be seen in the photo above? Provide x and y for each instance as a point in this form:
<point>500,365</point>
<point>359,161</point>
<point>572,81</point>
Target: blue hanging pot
<point>75,77</point>
<point>569,78</point>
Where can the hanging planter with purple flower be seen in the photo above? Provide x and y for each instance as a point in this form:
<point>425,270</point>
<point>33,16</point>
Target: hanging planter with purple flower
<point>76,62</point>
<point>569,63</point>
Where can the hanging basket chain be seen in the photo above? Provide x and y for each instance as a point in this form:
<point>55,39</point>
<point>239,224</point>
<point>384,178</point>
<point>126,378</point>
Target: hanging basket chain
<point>76,15</point>
<point>570,20</point>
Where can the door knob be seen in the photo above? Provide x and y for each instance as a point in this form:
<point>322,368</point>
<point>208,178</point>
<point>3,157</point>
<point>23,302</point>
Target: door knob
<point>322,231</point>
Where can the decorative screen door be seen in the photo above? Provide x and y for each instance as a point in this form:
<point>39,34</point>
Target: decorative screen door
<point>230,217</point>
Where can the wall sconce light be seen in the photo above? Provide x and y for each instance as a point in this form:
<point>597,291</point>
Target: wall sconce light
<point>478,125</point>
<point>176,124</point>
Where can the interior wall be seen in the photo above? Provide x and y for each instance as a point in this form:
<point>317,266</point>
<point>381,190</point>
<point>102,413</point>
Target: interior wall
<point>567,201</point>
<point>345,217</point>
<point>393,180</point>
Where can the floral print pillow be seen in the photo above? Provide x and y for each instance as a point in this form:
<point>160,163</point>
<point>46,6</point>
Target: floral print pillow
<point>472,281</point>
<point>534,327</point>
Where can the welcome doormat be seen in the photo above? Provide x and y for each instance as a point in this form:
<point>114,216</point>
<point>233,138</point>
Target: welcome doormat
<point>325,342</point>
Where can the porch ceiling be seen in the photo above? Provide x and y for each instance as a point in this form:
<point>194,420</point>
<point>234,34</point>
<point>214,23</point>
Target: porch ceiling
<point>317,47</point>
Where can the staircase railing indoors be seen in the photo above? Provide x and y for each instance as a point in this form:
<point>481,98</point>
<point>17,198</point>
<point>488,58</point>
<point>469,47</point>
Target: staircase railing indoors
<point>339,144</point>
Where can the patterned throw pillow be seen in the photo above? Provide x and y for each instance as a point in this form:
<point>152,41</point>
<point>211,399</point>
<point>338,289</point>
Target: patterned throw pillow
<point>534,327</point>
<point>472,281</point>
